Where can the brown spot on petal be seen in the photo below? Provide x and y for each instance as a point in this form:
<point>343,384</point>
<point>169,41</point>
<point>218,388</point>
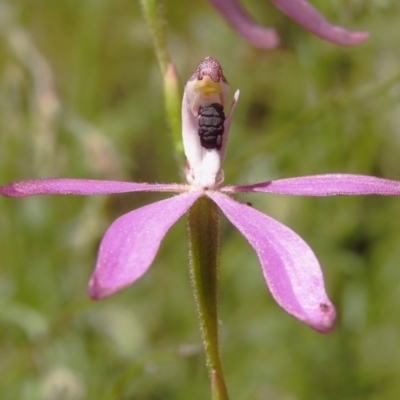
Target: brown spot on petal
<point>324,307</point>
<point>209,67</point>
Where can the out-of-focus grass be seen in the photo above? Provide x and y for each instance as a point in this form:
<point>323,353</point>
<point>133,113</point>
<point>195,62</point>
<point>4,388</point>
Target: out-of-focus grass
<point>81,96</point>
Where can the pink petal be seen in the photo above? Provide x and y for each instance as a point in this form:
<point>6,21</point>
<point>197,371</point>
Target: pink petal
<point>130,244</point>
<point>290,268</point>
<point>325,185</point>
<point>245,26</point>
<point>305,14</point>
<point>82,187</point>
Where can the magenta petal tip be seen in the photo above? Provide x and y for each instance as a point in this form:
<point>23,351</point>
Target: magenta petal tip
<point>306,15</point>
<point>344,37</point>
<point>325,318</point>
<point>96,290</point>
<point>238,18</point>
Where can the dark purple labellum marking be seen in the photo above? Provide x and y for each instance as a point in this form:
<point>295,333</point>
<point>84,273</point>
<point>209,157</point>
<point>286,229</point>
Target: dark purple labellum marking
<point>211,125</point>
<point>324,307</point>
<point>209,67</point>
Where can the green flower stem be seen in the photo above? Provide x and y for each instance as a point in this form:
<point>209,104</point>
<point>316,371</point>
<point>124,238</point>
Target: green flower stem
<point>173,104</point>
<point>204,240</point>
<point>154,14</point>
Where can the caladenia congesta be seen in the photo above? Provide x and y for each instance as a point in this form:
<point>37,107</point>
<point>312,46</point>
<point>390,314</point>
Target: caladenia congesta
<point>130,244</point>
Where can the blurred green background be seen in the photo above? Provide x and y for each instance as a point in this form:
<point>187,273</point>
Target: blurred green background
<point>81,96</point>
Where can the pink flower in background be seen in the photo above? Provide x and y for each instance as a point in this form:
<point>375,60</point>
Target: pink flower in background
<point>299,10</point>
<point>130,244</point>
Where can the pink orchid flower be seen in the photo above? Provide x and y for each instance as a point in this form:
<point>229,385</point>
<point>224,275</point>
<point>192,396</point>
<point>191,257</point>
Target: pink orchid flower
<point>130,244</point>
<point>299,10</point>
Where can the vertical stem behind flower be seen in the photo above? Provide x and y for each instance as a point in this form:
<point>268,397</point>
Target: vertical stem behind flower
<point>154,14</point>
<point>173,103</point>
<point>153,11</point>
<point>204,241</point>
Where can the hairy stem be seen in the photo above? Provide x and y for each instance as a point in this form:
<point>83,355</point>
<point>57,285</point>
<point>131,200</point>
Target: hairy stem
<point>204,240</point>
<point>153,12</point>
<point>154,15</point>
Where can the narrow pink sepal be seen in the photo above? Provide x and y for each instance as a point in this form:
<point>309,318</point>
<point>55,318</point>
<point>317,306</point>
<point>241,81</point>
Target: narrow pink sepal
<point>237,17</point>
<point>307,16</point>
<point>325,185</point>
<point>82,187</point>
<point>290,268</point>
<point>130,244</point>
